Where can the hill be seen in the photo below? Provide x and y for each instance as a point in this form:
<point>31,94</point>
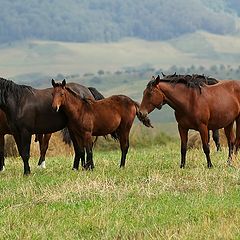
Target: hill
<point>107,20</point>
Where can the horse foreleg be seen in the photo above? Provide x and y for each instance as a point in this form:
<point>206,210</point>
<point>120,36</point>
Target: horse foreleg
<point>2,163</point>
<point>216,139</point>
<point>43,145</point>
<point>23,141</point>
<point>205,143</point>
<point>78,150</point>
<point>87,140</point>
<point>230,138</point>
<point>184,138</point>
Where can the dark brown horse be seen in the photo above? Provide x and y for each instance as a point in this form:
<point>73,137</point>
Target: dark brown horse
<point>197,106</point>
<point>87,118</point>
<point>43,140</point>
<point>29,111</point>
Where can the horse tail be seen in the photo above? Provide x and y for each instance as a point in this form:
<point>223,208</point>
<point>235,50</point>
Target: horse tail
<point>66,136</point>
<point>96,94</point>
<point>144,119</point>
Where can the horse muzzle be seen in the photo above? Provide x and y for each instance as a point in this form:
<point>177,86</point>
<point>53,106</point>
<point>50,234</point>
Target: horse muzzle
<point>56,108</point>
<point>159,107</point>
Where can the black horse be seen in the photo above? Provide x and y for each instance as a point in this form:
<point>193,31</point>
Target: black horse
<point>29,112</point>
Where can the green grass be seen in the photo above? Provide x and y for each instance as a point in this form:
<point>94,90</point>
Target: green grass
<point>150,199</point>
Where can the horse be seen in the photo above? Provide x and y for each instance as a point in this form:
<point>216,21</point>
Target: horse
<point>197,106</point>
<point>199,80</point>
<point>43,140</point>
<point>87,118</point>
<point>28,111</point>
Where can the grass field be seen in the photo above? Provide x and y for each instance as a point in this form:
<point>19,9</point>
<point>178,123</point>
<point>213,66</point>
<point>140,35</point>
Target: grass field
<point>150,199</point>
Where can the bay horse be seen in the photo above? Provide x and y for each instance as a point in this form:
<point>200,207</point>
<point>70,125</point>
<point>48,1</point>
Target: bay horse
<point>198,105</point>
<point>199,80</point>
<point>28,111</point>
<point>87,118</point>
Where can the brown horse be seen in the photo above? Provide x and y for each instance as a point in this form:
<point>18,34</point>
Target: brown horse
<point>197,106</point>
<point>87,118</point>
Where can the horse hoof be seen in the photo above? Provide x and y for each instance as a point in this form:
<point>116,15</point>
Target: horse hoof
<point>42,165</point>
<point>74,169</point>
<point>3,169</point>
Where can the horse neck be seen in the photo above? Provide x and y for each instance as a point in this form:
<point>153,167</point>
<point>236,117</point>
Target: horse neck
<point>177,96</point>
<point>72,104</point>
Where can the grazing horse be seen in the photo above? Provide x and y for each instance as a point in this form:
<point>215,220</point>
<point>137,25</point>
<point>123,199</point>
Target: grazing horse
<point>28,111</point>
<point>87,118</point>
<point>197,106</point>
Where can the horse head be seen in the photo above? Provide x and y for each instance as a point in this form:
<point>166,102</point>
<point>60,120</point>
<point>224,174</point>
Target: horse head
<point>153,97</point>
<point>58,94</point>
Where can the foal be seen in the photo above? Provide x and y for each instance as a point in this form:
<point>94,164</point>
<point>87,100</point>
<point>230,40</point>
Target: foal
<point>87,118</point>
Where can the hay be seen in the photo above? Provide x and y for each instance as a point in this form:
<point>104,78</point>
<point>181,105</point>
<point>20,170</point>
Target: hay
<point>194,140</point>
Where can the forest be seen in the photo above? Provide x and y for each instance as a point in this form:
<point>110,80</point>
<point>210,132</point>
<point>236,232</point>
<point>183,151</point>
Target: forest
<point>107,20</point>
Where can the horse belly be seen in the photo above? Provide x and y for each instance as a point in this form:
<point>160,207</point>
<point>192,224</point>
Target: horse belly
<point>106,126</point>
<point>222,120</point>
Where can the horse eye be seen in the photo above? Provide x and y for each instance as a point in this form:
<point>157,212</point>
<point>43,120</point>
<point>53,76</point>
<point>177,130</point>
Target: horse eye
<point>62,94</point>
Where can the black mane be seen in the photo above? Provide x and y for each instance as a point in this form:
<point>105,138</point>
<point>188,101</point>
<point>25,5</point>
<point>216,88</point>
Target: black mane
<point>191,81</point>
<point>72,92</point>
<point>8,87</point>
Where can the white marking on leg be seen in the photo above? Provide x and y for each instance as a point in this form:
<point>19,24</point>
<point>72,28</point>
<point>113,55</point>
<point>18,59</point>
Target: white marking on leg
<point>43,164</point>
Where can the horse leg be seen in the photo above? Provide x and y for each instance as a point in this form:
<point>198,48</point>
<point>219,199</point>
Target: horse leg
<point>205,143</point>
<point>216,139</point>
<point>124,144</point>
<point>23,141</point>
<point>237,141</point>
<point>184,138</point>
<point>88,144</point>
<point>2,164</point>
<point>78,150</point>
<point>43,145</point>
<point>230,138</point>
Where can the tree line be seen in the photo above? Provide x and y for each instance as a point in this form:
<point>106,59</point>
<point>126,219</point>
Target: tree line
<point>107,20</point>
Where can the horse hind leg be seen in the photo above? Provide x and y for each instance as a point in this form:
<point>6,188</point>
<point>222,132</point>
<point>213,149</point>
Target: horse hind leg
<point>216,139</point>
<point>2,162</point>
<point>205,143</point>
<point>43,145</point>
<point>230,139</point>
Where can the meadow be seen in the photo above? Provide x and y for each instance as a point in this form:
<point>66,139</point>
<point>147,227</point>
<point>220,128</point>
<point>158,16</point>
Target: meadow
<point>152,198</point>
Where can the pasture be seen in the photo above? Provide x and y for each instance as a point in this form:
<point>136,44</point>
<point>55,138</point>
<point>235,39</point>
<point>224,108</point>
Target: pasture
<point>152,198</point>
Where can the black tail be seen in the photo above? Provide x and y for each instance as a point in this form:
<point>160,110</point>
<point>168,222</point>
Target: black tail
<point>66,136</point>
<point>144,119</point>
<point>96,94</point>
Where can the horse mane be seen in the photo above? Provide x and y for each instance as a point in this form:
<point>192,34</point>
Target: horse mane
<point>15,90</point>
<point>84,99</point>
<point>191,81</point>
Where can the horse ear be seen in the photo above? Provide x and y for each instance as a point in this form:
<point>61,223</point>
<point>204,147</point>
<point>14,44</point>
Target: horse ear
<point>64,83</point>
<point>53,83</point>
<point>157,80</point>
<point>163,74</point>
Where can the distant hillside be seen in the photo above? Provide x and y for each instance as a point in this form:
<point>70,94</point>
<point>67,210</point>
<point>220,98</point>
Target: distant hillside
<point>107,20</point>
<point>51,58</point>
